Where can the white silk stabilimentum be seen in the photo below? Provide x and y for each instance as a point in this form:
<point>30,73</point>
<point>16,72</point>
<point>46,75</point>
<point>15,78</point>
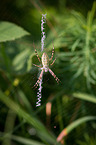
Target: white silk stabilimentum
<point>39,93</point>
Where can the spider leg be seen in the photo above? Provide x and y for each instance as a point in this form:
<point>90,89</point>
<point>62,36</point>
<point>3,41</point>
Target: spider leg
<point>36,65</point>
<point>36,53</point>
<point>53,62</point>
<point>39,79</point>
<point>52,73</point>
<point>52,53</point>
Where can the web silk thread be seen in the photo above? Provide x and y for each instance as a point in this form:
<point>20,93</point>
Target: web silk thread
<point>39,93</point>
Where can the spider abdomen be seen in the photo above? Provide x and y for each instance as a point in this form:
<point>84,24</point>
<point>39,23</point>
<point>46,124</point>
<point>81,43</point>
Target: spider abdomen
<point>45,61</point>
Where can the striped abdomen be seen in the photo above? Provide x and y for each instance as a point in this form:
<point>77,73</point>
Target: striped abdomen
<point>45,61</point>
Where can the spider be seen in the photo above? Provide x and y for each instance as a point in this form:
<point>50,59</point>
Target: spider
<point>45,62</point>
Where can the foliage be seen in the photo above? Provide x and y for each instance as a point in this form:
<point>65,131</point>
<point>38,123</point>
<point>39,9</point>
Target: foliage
<point>73,100</point>
<point>79,37</point>
<point>88,140</point>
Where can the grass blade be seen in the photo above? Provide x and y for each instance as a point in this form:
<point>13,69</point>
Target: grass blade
<point>41,130</point>
<point>85,97</point>
<point>73,125</point>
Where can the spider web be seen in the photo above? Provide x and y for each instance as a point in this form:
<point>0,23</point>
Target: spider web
<point>28,81</point>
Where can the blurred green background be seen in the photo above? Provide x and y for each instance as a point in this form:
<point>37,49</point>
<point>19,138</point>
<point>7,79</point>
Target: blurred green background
<point>71,27</point>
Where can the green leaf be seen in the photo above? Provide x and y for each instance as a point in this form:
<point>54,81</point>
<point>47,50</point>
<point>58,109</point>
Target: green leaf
<point>75,44</point>
<point>79,71</point>
<point>20,60</point>
<point>93,74</point>
<point>26,141</point>
<point>24,99</point>
<point>10,31</point>
<point>76,123</point>
<point>85,97</point>
<point>22,140</point>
